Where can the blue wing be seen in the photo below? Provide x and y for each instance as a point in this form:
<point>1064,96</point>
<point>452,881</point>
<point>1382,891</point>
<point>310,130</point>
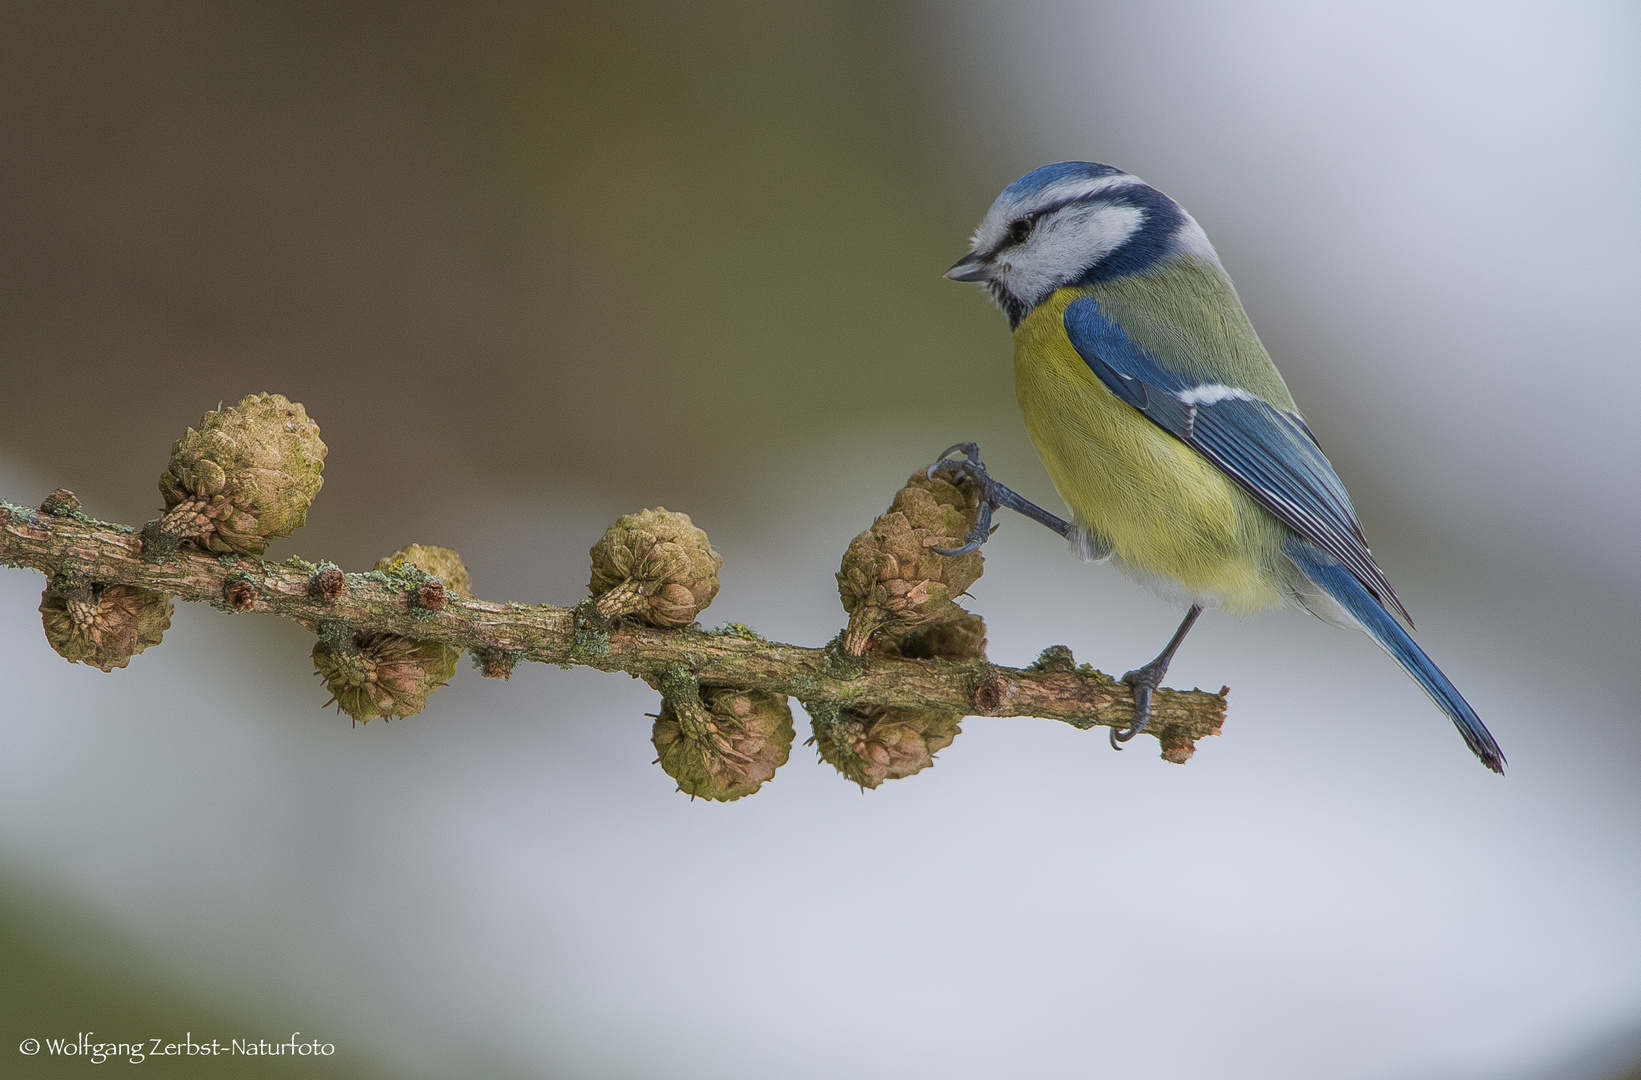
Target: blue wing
<point>1267,450</point>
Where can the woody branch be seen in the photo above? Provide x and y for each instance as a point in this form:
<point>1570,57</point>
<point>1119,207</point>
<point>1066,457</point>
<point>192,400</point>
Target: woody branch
<point>72,546</point>
<point>883,698</point>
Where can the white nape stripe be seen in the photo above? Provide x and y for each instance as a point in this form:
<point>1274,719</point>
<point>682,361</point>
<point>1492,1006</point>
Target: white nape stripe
<point>1209,393</point>
<point>1191,240</point>
<point>1075,188</point>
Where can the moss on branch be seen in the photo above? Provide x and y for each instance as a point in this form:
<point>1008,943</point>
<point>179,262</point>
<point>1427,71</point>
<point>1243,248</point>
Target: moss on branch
<point>68,545</point>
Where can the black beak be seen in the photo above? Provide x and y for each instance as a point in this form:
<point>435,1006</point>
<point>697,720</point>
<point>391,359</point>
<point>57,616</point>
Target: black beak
<point>971,267</point>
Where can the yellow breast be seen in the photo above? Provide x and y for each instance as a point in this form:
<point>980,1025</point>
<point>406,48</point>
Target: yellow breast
<point>1166,510</point>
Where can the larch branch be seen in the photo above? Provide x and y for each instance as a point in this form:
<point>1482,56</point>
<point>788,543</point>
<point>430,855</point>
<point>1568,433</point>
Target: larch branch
<point>69,544</point>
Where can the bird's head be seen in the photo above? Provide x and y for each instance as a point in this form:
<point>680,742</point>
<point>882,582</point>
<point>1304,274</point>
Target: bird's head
<point>1073,223</point>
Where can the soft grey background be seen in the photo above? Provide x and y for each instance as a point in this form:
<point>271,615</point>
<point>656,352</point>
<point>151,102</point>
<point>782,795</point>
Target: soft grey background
<point>532,267</point>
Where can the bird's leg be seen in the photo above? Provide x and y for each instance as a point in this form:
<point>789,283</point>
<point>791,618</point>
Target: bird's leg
<point>992,496</point>
<point>1145,680</point>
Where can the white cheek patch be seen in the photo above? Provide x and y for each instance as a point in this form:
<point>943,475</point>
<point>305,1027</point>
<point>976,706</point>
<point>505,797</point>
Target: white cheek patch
<point>1210,393</point>
<point>1065,244</point>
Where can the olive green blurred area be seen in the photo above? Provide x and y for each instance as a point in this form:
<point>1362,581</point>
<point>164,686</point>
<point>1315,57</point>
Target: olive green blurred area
<point>63,974</point>
<point>646,248</point>
<point>490,244</point>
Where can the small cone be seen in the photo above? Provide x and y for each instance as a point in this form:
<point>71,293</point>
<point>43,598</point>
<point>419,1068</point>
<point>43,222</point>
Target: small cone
<point>656,566</point>
<point>891,580</point>
<point>726,747</point>
<point>245,476</point>
<point>103,625</point>
<point>383,674</point>
<point>439,562</point>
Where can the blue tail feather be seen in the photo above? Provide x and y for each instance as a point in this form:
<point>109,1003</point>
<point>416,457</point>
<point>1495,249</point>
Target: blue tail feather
<point>1341,584</point>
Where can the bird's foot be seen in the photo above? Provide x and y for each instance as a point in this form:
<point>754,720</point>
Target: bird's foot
<point>1145,681</point>
<point>991,495</point>
<point>972,469</point>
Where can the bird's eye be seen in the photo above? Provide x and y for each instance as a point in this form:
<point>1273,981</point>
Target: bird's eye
<point>1019,229</point>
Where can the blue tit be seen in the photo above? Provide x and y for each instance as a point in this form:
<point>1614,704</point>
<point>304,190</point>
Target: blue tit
<point>1165,426</point>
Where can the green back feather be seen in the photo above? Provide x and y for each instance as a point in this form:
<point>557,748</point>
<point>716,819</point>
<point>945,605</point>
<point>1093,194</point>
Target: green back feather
<point>1186,313</point>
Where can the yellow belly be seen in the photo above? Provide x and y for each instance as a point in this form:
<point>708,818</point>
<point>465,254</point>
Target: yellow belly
<point>1167,511</point>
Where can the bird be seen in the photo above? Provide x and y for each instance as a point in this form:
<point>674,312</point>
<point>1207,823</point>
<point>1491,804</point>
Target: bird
<point>1166,427</point>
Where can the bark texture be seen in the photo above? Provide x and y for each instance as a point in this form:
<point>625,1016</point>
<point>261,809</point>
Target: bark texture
<point>68,544</point>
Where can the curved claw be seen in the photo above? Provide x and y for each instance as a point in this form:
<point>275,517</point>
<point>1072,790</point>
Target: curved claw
<point>991,494</point>
<point>970,451</point>
<point>983,528</point>
<point>1142,711</point>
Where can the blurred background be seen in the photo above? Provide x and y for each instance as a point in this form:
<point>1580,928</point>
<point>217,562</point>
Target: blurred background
<point>532,266</point>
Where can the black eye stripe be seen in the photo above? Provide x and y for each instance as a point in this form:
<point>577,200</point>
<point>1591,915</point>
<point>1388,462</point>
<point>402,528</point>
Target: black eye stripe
<point>1019,230</point>
<point>1120,196</point>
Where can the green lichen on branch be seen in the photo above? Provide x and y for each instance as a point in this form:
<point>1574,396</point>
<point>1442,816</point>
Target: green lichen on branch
<point>365,604</point>
<point>371,674</point>
<point>869,744</point>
